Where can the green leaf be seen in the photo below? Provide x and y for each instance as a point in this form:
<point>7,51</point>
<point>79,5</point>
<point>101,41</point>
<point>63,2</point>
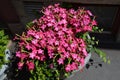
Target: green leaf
<point>100,30</point>
<point>1,54</point>
<point>101,54</point>
<point>30,24</point>
<point>36,63</point>
<point>66,74</point>
<point>2,33</point>
<point>104,59</point>
<point>29,39</point>
<point>35,78</point>
<point>97,42</point>
<point>31,79</point>
<point>93,38</point>
<point>31,71</point>
<point>108,61</point>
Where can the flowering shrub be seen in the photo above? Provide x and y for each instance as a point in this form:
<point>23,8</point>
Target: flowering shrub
<point>57,43</point>
<point>3,45</point>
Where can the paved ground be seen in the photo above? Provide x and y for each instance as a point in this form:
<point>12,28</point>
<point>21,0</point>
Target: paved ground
<point>106,72</point>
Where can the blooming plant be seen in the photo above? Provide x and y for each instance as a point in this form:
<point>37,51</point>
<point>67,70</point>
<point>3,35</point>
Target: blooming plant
<point>3,43</point>
<point>57,43</point>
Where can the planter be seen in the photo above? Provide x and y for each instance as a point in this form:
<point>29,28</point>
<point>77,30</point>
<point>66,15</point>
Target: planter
<point>4,68</point>
<point>80,67</point>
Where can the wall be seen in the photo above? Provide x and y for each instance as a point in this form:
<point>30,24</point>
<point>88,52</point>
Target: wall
<point>115,2</point>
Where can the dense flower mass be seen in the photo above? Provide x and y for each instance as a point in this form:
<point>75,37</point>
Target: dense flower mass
<point>53,37</point>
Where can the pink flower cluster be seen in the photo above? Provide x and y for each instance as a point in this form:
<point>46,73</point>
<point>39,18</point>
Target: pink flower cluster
<point>55,32</point>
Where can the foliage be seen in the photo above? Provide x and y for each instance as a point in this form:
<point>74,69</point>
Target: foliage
<point>3,44</point>
<point>56,44</point>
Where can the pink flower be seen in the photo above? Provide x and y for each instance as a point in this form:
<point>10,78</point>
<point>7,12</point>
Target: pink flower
<point>28,46</point>
<point>60,61</point>
<point>74,66</point>
<point>51,41</point>
<point>69,31</point>
<point>40,51</point>
<point>82,44</point>
<point>50,6</point>
<point>68,48</point>
<point>23,56</point>
<point>87,28</point>
<point>15,38</point>
<point>47,12</point>
<point>66,54</point>
<point>49,24</point>
<point>22,43</point>
<point>56,28</point>
<point>43,43</point>
<point>63,22</point>
<point>94,22</point>
<point>82,61</point>
<point>65,29</point>
<point>42,57</point>
<point>30,32</point>
<point>78,59</point>
<point>50,48</point>
<point>84,52</point>
<point>57,43</point>
<point>73,45</point>
<point>57,5</point>
<point>51,65</point>
<point>63,15</point>
<point>74,56</point>
<point>30,65</point>
<point>89,12</point>
<point>34,21</point>
<point>37,57</point>
<point>65,45</point>
<point>18,54</point>
<point>68,68</point>
<point>35,41</point>
<point>20,65</point>
<point>86,21</point>
<point>43,27</point>
<point>72,11</point>
<point>32,55</point>
<point>51,54</point>
<point>37,36</point>
<point>60,33</point>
